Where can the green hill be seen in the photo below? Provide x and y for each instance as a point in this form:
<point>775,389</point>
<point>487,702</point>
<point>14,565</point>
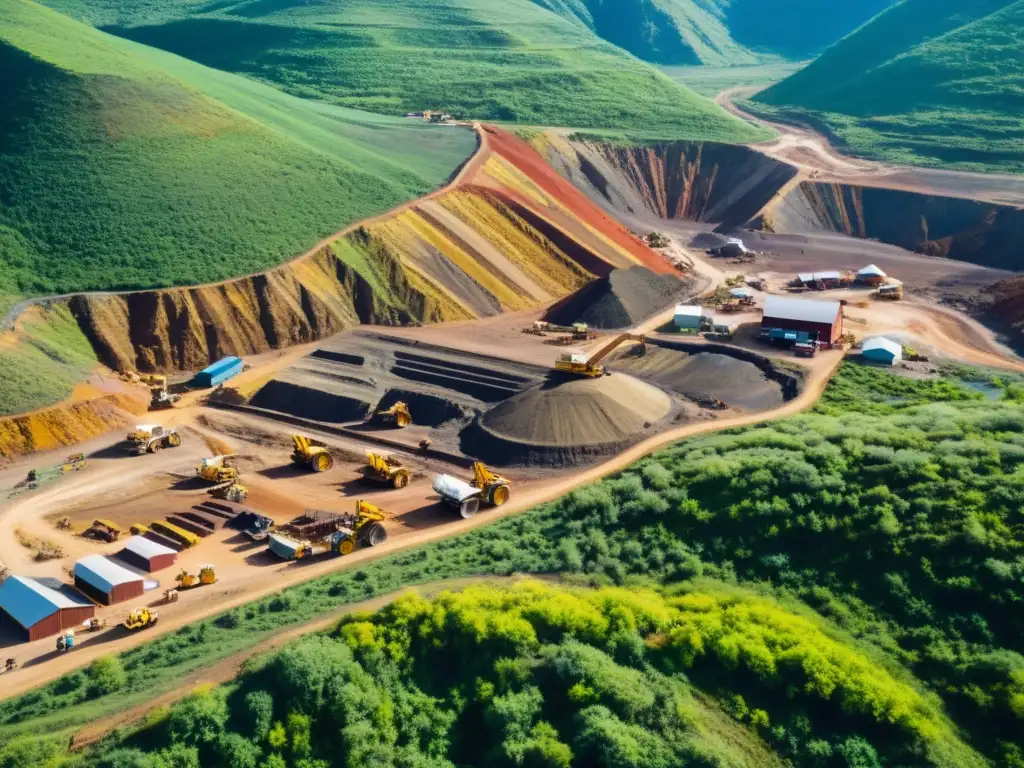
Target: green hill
<point>929,81</point>
<point>127,167</point>
<point>512,61</point>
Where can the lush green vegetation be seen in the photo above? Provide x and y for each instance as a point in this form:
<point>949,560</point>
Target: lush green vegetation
<point>126,167</point>
<point>711,81</point>
<point>934,82</point>
<point>43,361</point>
<point>893,510</point>
<point>512,61</point>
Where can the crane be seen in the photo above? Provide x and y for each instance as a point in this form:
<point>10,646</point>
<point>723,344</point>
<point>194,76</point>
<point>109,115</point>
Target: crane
<point>576,362</point>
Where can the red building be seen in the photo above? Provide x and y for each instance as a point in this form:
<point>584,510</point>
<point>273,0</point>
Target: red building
<point>816,320</point>
<point>139,552</point>
<point>40,610</point>
<point>106,582</point>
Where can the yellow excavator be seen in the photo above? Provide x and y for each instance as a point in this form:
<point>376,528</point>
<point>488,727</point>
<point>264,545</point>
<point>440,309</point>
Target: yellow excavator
<point>217,469</point>
<point>494,489</point>
<point>397,415</point>
<point>385,469</point>
<point>140,618</point>
<point>207,575</point>
<point>365,529</point>
<point>578,363</point>
<point>311,453</point>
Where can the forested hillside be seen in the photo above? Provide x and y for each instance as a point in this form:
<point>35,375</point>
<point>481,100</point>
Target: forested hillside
<point>842,585</point>
<point>929,81</point>
<point>511,61</point>
<point>126,167</point>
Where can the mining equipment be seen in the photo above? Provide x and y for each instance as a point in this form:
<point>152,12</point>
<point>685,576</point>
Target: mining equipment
<point>10,665</point>
<point>138,529</point>
<point>207,575</point>
<point>385,469</point>
<point>328,532</point>
<point>161,399</point>
<point>397,415</point>
<point>217,469</point>
<point>578,363</point>
<point>577,331</point>
<point>260,528</point>
<point>235,492</point>
<point>170,595</point>
<point>150,438</point>
<point>486,487</point>
<point>364,527</point>
<point>66,641</point>
<point>140,618</point>
<point>311,453</point>
<point>94,624</point>
<point>37,477</point>
<point>890,292</point>
<point>103,530</point>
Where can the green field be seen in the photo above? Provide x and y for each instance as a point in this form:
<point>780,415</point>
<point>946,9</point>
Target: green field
<point>931,82</point>
<point>843,584</point>
<point>511,62</point>
<point>711,81</point>
<point>126,167</point>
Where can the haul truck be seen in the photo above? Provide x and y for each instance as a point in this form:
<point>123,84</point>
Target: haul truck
<point>485,488</point>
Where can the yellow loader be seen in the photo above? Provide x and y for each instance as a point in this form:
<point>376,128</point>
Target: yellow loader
<point>385,469</point>
<point>207,575</point>
<point>397,415</point>
<point>140,618</point>
<point>311,453</point>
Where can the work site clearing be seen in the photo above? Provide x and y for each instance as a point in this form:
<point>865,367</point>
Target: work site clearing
<point>377,439</point>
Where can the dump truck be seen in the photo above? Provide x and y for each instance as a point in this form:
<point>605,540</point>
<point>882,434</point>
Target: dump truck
<point>160,399</point>
<point>397,415</point>
<point>577,331</point>
<point>385,469</point>
<point>311,453</point>
<point>103,530</point>
<point>486,487</point>
<point>217,469</point>
<point>150,438</point>
<point>207,575</point>
<point>140,618</point>
<point>891,292</point>
<point>580,364</point>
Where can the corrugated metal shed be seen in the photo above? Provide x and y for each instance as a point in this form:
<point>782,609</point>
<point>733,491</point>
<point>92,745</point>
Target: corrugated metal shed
<point>688,315</point>
<point>785,308</point>
<point>144,553</point>
<point>814,277</point>
<point>883,350</point>
<point>41,610</point>
<point>219,372</point>
<point>871,271</point>
<point>104,580</point>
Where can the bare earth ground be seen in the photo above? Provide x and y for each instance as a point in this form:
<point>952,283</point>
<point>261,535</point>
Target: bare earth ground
<point>812,154</point>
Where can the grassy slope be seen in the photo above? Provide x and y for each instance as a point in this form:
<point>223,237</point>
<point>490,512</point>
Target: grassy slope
<point>127,167</point>
<point>930,81</point>
<point>512,61</point>
<point>893,510</point>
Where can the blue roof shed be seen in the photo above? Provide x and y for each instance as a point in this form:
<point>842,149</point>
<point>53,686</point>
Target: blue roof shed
<point>219,372</point>
<point>41,610</point>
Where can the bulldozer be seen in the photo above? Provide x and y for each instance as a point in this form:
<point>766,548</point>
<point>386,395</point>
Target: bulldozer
<point>102,530</point>
<point>140,618</point>
<point>397,415</point>
<point>385,469</point>
<point>150,438</point>
<point>161,399</point>
<point>235,492</point>
<point>578,363</point>
<point>217,469</point>
<point>311,453</point>
<point>486,487</point>
<point>364,528</point>
<point>207,575</point>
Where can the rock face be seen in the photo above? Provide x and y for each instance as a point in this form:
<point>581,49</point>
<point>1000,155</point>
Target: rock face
<point>716,183</point>
<point>65,425</point>
<point>955,228</point>
<point>514,235</point>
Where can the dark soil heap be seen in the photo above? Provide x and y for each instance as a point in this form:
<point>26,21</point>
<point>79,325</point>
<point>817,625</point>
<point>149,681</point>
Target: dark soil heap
<point>621,300</point>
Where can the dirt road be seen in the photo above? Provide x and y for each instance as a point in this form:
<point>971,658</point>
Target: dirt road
<point>815,156</point>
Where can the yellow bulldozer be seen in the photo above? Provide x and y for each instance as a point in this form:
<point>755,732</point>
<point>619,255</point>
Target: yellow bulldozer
<point>397,415</point>
<point>578,363</point>
<point>385,469</point>
<point>103,530</point>
<point>140,618</point>
<point>311,453</point>
<point>217,469</point>
<point>235,492</point>
<point>207,575</point>
<point>364,529</point>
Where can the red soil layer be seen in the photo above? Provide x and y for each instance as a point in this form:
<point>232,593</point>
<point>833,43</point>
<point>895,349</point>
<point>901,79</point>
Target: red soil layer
<point>526,159</point>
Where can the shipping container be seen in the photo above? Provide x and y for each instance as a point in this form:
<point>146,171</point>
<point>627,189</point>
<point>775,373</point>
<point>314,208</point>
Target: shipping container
<point>218,373</point>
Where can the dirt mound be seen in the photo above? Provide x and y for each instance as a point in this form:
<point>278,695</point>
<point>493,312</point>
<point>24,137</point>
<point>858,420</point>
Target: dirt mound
<point>620,300</point>
<point>427,410</point>
<point>567,420</point>
<point>307,402</point>
<point>701,376</point>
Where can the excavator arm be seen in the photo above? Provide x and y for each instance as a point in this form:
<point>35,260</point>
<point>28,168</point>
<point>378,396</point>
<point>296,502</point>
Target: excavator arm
<point>367,511</point>
<point>610,347</point>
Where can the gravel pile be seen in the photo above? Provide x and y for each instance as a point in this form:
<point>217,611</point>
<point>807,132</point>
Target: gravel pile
<point>621,300</point>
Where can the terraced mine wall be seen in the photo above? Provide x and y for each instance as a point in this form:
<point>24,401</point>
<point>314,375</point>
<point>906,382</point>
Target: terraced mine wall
<point>716,183</point>
<point>66,425</point>
<point>948,227</point>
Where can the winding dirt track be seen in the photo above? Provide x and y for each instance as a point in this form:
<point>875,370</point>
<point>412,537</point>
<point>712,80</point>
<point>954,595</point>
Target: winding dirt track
<point>815,155</point>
